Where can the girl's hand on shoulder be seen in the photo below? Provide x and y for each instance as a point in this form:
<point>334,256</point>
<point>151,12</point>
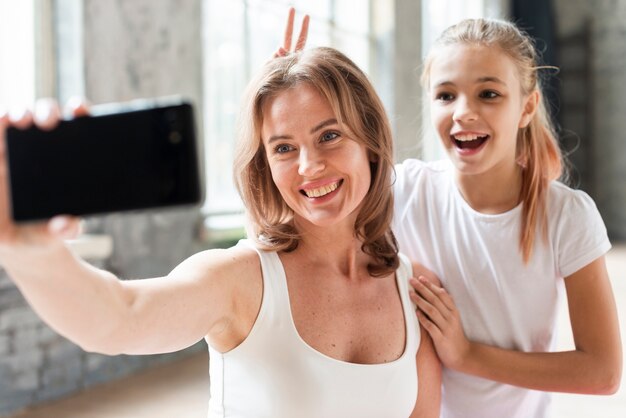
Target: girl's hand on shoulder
<point>285,49</point>
<point>437,313</point>
<point>46,115</point>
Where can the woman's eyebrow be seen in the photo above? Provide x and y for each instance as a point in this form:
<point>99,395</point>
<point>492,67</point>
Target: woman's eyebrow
<point>321,125</point>
<point>278,138</point>
<point>331,121</point>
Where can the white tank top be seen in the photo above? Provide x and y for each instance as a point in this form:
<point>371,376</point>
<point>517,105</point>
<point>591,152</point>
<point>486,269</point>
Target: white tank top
<point>273,373</point>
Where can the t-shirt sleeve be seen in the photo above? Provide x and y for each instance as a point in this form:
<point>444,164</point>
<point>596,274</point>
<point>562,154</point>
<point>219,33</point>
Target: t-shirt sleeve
<point>405,180</point>
<point>403,184</point>
<point>582,233</point>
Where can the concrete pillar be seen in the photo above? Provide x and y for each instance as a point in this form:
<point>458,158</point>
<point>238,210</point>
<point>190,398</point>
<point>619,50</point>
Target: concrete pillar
<point>609,107</point>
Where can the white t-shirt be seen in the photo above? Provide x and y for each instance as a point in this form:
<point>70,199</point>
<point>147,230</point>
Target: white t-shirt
<point>274,373</point>
<point>501,300</point>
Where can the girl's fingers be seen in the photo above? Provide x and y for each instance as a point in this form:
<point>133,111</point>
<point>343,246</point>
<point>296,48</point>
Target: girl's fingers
<point>437,292</point>
<point>288,38</point>
<point>428,292</point>
<point>289,29</point>
<point>280,52</point>
<point>432,311</point>
<point>441,293</point>
<point>432,329</point>
<point>304,34</point>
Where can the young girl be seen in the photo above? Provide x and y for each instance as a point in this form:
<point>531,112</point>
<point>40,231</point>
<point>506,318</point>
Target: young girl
<point>505,238</point>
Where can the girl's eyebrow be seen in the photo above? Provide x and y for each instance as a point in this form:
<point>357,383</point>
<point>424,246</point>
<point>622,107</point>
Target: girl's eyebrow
<point>490,79</point>
<point>321,125</point>
<point>486,79</point>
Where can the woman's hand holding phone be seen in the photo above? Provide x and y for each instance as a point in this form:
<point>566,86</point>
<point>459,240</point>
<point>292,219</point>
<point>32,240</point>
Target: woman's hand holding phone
<point>46,115</point>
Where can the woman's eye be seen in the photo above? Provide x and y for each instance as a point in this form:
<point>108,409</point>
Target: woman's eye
<point>489,94</point>
<point>329,136</point>
<point>283,148</point>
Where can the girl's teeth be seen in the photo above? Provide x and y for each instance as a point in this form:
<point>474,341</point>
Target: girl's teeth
<point>466,137</point>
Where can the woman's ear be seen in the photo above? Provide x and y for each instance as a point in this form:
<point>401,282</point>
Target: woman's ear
<point>372,157</point>
<point>530,108</point>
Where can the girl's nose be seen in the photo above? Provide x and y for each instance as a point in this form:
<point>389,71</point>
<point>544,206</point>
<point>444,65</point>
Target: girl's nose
<point>310,163</point>
<point>464,111</point>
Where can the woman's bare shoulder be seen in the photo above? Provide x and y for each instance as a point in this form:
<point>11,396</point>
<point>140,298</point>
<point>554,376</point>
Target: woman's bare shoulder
<point>231,263</point>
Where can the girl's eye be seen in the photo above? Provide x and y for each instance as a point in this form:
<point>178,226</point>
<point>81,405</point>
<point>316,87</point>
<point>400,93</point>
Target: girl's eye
<point>444,97</point>
<point>283,148</point>
<point>489,94</point>
<point>329,136</point>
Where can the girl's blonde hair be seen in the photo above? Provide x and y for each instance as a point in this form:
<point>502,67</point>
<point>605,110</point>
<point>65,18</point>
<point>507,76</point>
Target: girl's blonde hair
<point>538,152</point>
<point>357,106</point>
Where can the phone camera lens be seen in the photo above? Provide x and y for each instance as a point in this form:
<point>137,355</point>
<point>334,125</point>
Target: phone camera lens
<point>175,137</point>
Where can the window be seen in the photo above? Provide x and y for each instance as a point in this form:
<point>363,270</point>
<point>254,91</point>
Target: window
<point>17,53</point>
<point>241,35</point>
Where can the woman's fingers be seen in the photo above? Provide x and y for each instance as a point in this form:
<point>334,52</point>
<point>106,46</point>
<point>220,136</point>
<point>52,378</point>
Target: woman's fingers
<point>77,107</point>
<point>47,114</point>
<point>20,118</point>
<point>64,227</point>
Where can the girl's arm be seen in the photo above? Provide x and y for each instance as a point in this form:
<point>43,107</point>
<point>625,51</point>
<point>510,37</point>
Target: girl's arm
<point>593,367</point>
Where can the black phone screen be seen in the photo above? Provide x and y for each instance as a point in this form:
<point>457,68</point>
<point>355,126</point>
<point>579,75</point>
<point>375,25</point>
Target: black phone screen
<point>138,159</point>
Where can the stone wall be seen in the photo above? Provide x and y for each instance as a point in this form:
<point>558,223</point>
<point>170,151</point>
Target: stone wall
<point>594,109</point>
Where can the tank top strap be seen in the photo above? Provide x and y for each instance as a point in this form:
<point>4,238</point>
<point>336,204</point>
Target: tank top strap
<point>403,274</point>
<point>275,293</point>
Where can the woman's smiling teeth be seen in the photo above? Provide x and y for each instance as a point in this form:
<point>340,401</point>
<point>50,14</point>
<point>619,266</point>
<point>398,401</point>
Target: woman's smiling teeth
<point>321,191</point>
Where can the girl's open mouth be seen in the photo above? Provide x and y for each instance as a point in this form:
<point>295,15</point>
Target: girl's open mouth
<point>470,144</point>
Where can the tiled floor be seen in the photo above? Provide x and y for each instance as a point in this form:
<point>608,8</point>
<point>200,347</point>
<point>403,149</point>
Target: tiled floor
<point>176,390</point>
<point>182,389</point>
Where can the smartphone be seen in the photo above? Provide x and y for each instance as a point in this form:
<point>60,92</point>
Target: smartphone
<point>133,156</point>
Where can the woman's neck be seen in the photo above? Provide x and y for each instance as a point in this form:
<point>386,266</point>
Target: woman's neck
<point>337,248</point>
<point>491,192</point>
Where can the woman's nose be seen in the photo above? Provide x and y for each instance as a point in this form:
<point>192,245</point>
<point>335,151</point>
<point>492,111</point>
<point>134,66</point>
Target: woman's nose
<point>310,163</point>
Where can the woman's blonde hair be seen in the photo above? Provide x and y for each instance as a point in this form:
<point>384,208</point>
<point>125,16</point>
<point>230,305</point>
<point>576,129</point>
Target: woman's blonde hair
<point>538,152</point>
<point>357,106</point>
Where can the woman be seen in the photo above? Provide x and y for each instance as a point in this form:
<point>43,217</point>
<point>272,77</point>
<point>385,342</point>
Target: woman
<point>309,318</point>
